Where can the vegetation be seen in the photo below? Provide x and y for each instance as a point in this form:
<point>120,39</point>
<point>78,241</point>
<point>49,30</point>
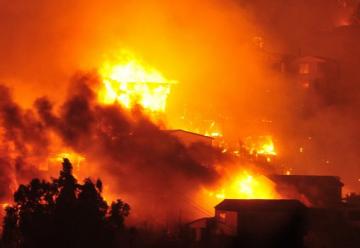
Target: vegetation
<point>64,213</point>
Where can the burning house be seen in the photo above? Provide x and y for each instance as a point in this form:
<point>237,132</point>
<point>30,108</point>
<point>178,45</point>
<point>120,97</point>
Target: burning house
<point>311,212</point>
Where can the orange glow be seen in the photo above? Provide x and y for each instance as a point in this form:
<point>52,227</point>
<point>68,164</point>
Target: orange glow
<point>245,185</point>
<point>5,205</point>
<point>262,145</point>
<point>129,81</point>
<point>213,130</point>
<point>74,157</point>
<point>238,184</point>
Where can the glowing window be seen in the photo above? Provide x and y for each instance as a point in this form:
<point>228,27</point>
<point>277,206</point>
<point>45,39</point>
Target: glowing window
<point>222,216</point>
<point>305,84</point>
<point>304,68</point>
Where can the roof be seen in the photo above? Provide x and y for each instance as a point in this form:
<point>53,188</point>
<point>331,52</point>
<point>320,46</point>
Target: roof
<point>188,132</point>
<point>314,58</point>
<point>238,205</point>
<point>310,179</point>
<point>205,220</point>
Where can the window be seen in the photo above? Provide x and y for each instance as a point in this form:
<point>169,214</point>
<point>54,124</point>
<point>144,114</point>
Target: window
<point>304,68</point>
<point>305,84</point>
<point>222,216</point>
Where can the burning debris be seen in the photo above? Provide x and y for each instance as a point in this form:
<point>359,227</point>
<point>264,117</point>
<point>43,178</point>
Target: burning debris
<point>129,82</point>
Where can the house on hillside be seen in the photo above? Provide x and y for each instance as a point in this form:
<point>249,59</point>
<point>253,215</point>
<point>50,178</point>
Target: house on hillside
<point>316,73</point>
<point>254,223</point>
<point>312,75</point>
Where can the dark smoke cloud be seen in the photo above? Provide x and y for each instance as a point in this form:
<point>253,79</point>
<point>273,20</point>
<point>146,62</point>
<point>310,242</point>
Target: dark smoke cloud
<point>21,127</point>
<point>85,125</point>
<point>6,179</point>
<point>22,135</point>
<point>137,159</point>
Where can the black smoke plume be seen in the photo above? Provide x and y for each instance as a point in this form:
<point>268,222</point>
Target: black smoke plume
<point>152,169</point>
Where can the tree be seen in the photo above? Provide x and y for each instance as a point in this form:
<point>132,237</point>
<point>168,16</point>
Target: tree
<point>63,213</point>
<point>118,211</point>
<point>10,229</point>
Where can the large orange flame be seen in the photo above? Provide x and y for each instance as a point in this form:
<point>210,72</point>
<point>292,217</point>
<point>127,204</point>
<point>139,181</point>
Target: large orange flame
<point>262,145</point>
<point>245,185</point>
<point>237,184</point>
<point>129,81</point>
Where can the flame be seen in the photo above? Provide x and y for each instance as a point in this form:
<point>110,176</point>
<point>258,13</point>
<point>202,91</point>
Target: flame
<point>130,82</point>
<point>262,145</point>
<point>213,130</point>
<point>238,184</point>
<point>246,185</point>
<point>75,158</point>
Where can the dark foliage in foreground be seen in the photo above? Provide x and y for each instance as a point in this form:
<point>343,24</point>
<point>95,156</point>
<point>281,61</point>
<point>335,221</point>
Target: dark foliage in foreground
<point>63,213</point>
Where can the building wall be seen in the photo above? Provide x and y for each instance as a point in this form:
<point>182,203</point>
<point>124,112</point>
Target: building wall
<point>229,221</point>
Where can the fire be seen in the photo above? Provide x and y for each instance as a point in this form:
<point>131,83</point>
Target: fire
<point>213,130</point>
<point>5,205</point>
<point>131,82</point>
<point>75,158</point>
<point>246,185</point>
<point>262,145</point>
<point>237,184</point>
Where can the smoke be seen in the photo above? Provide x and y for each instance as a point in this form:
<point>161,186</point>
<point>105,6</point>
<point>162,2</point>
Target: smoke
<point>137,160</point>
<point>22,135</point>
<point>46,43</point>
<point>317,135</point>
